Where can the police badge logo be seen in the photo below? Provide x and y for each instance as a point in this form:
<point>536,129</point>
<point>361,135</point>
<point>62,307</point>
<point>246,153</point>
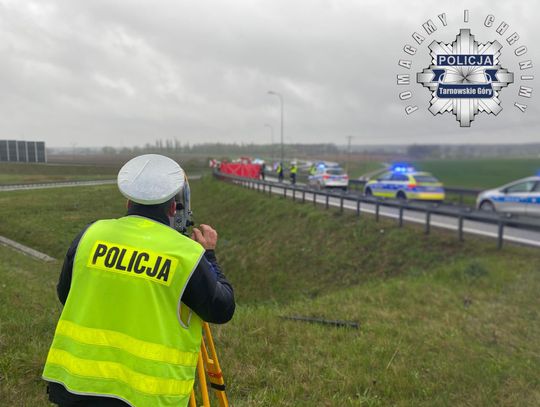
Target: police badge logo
<point>465,77</point>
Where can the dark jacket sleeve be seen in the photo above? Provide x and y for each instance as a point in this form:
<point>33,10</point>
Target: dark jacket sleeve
<point>207,293</point>
<point>64,282</point>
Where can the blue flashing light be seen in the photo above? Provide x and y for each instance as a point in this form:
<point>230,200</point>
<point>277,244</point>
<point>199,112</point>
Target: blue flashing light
<point>403,168</point>
<point>321,165</point>
<point>538,173</point>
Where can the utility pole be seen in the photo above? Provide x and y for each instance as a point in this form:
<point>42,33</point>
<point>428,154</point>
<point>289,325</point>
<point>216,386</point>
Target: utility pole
<point>349,138</point>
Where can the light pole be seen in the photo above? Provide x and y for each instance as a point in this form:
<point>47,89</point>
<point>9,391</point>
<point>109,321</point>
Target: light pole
<point>272,141</point>
<point>271,92</point>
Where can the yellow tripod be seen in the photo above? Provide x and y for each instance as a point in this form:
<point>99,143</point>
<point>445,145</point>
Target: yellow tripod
<point>208,364</point>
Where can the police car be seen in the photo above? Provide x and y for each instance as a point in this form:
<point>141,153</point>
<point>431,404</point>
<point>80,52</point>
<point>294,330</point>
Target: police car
<point>404,182</point>
<point>519,197</point>
<point>326,176</point>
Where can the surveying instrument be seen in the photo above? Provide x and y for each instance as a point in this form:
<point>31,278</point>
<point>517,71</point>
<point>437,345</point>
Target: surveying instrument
<point>208,364</point>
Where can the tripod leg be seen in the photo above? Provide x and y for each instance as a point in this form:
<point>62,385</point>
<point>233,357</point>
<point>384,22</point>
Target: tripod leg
<point>212,366</point>
<point>192,402</point>
<point>202,382</point>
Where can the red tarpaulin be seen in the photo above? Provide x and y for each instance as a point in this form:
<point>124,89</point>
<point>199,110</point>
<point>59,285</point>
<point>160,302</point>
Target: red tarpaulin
<point>241,170</point>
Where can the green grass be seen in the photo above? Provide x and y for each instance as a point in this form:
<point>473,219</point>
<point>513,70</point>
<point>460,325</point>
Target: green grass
<point>49,219</point>
<point>24,173</point>
<point>419,344</point>
<point>480,173</point>
<point>360,168</point>
<point>442,323</point>
<point>28,314</point>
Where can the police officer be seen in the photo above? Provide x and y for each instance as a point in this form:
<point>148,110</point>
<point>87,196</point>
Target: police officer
<point>280,172</point>
<point>293,171</point>
<point>135,293</point>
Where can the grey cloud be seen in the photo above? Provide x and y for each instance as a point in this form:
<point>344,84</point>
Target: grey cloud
<point>127,72</point>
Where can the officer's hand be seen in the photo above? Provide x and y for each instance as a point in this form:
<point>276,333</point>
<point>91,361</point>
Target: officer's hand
<point>206,236</point>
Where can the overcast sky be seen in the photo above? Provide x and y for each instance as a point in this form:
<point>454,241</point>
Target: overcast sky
<point>123,73</point>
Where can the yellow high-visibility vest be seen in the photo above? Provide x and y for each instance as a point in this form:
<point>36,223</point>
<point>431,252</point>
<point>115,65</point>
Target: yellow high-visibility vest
<point>124,332</point>
<point>294,169</point>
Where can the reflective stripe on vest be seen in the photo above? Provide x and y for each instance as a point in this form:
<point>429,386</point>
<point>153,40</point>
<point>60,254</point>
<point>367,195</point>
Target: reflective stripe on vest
<point>118,372</point>
<point>136,347</point>
<point>120,334</point>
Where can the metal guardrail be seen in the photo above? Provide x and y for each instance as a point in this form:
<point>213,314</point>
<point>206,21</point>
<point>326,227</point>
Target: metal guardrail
<point>458,212</point>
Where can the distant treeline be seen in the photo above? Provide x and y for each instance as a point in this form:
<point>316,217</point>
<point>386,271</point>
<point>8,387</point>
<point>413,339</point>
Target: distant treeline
<point>219,149</point>
<point>417,151</point>
<point>268,151</point>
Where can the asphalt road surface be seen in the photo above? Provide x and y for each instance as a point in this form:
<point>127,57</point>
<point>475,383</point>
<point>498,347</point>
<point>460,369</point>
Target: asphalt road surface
<point>64,184</point>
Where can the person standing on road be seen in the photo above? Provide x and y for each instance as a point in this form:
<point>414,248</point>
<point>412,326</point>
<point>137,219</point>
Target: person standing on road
<point>279,171</point>
<point>135,294</point>
<point>293,172</point>
<point>262,171</point>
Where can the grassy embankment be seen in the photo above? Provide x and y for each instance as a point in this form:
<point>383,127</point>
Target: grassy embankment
<point>442,323</point>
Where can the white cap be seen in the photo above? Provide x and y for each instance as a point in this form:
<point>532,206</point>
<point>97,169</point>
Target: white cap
<point>150,179</point>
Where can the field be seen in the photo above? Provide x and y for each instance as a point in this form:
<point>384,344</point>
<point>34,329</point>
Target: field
<point>442,323</point>
<point>480,173</point>
<point>19,173</point>
<point>11,173</point>
<point>360,168</point>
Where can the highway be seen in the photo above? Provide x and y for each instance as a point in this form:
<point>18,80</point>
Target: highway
<point>65,184</point>
<point>511,234</point>
<point>61,184</point>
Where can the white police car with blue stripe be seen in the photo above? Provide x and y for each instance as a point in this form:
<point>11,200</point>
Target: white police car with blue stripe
<point>519,197</point>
